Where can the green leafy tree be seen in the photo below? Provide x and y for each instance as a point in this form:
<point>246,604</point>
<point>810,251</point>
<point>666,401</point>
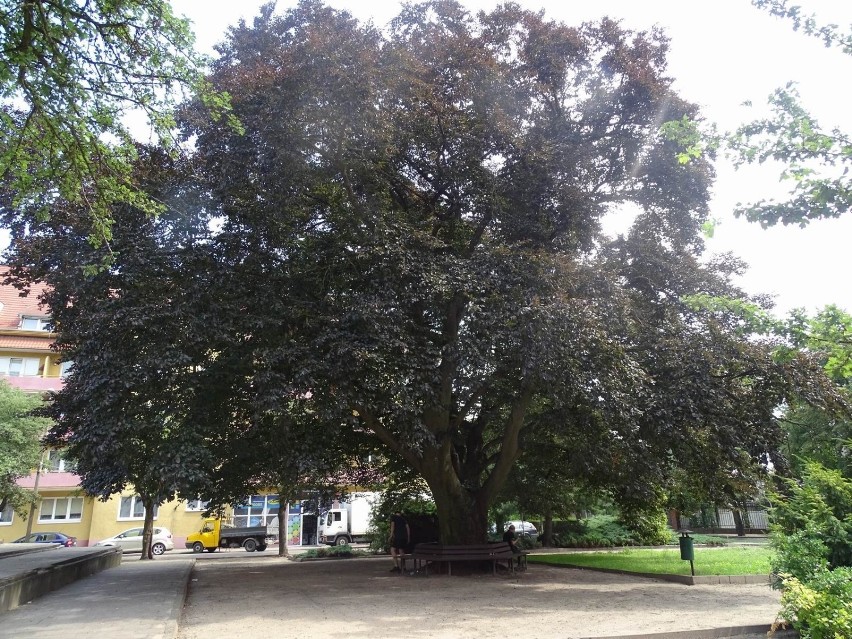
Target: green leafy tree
<point>407,248</point>
<point>69,73</point>
<point>812,433</point>
<point>423,215</point>
<point>812,536</point>
<point>120,415</point>
<point>816,160</point>
<point>20,445</point>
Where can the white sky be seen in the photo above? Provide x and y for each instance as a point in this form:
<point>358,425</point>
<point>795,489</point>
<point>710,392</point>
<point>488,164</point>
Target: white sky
<point>722,54</point>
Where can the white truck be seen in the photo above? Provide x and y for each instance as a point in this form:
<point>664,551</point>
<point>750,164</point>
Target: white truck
<point>348,522</point>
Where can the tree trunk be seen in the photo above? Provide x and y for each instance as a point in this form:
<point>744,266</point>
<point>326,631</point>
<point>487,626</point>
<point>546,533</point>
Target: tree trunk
<point>282,527</point>
<point>148,528</point>
<point>738,522</point>
<point>462,514</point>
<point>548,528</point>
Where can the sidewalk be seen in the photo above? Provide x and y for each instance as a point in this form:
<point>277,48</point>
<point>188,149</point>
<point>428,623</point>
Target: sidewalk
<point>136,600</point>
<point>360,598</point>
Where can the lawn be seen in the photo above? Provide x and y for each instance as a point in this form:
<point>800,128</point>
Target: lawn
<point>708,561</point>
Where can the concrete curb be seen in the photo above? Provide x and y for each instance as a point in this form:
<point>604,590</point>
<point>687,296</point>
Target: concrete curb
<point>25,586</point>
<point>687,580</point>
<point>25,549</point>
<point>172,623</point>
<point>712,633</point>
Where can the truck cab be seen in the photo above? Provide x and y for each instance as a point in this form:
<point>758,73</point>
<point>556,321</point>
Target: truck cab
<point>334,527</point>
<point>207,538</point>
<point>348,522</point>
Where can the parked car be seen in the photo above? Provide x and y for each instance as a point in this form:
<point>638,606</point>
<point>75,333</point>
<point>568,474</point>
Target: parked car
<point>523,528</point>
<point>131,540</point>
<point>48,538</point>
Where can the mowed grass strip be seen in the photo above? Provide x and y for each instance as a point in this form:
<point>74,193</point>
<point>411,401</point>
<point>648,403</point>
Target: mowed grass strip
<point>708,561</point>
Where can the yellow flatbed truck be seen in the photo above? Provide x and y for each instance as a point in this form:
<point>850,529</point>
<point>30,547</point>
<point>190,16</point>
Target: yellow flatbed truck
<point>214,534</point>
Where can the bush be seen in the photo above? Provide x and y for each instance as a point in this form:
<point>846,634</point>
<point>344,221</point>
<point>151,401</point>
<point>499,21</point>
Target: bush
<point>822,505</point>
<point>650,527</point>
<point>600,531</point>
<point>822,607</point>
<point>609,528</point>
<point>812,537</point>
<point>418,510</point>
<point>332,551</point>
<point>800,555</point>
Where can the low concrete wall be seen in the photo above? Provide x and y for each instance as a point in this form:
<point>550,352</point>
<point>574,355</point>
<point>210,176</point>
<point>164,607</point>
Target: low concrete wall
<point>26,586</point>
<point>679,579</point>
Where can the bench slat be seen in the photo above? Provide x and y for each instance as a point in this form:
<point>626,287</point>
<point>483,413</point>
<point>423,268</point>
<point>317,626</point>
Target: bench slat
<point>495,552</point>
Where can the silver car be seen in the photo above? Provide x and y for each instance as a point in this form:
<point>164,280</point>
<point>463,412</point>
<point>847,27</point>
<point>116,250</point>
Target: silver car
<point>131,540</point>
<point>523,529</point>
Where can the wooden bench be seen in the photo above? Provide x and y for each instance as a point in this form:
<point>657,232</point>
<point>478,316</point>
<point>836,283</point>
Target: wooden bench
<point>424,554</point>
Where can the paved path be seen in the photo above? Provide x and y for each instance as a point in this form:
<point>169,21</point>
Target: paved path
<point>257,596</point>
<point>137,600</point>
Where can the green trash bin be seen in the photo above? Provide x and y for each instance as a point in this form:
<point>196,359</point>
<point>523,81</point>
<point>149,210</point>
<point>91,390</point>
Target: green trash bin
<point>687,549</point>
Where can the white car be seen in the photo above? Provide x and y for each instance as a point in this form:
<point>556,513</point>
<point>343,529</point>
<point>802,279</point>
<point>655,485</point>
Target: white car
<point>522,529</point>
<point>131,540</point>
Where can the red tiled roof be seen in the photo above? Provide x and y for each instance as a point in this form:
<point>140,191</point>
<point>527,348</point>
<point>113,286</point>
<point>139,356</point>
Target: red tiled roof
<point>25,343</point>
<point>14,306</point>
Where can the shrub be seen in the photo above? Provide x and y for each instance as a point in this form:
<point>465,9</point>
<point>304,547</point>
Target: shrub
<point>800,555</point>
<point>650,527</point>
<point>599,531</point>
<point>812,536</point>
<point>609,528</point>
<point>822,505</point>
<point>418,509</point>
<point>822,607</point>
<point>334,551</point>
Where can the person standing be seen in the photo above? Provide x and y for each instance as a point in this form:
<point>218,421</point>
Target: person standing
<point>400,537</point>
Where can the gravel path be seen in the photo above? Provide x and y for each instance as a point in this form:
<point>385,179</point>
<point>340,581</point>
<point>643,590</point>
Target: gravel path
<point>262,596</point>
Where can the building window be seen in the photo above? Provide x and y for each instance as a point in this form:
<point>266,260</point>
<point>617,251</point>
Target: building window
<point>6,516</point>
<point>197,504</point>
<point>259,510</point>
<point>20,366</point>
<point>65,368</point>
<point>35,323</point>
<point>55,462</point>
<point>61,509</point>
<point>131,508</point>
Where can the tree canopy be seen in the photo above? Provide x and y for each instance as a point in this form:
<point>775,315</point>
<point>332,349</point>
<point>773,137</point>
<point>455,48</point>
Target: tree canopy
<point>69,74</point>
<point>816,160</point>
<point>405,246</point>
<point>20,444</point>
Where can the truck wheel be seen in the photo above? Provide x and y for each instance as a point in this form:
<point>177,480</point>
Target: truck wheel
<point>159,548</point>
<point>197,547</point>
<point>250,545</point>
<point>341,541</point>
<point>261,547</point>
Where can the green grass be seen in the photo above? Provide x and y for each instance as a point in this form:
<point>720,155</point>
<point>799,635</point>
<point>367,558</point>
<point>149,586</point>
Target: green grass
<point>708,561</point>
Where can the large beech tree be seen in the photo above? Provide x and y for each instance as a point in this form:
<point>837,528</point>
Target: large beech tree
<point>407,247</point>
<point>412,223</point>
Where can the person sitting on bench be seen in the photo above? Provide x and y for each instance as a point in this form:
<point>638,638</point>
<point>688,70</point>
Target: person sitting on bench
<point>512,539</point>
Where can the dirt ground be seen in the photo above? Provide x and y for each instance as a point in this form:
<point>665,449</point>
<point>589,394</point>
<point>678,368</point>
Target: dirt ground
<point>263,596</point>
